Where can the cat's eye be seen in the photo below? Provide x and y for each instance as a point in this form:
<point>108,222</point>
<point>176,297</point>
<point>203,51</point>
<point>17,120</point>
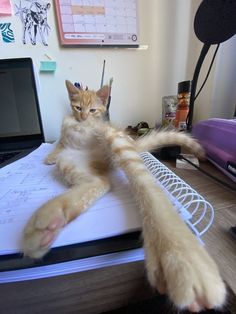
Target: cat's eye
<point>78,108</point>
<point>92,110</point>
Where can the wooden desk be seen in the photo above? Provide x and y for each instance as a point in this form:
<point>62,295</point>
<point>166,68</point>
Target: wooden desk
<point>105,289</point>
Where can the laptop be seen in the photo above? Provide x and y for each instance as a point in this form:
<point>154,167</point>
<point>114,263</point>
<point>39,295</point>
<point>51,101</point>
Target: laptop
<point>21,128</point>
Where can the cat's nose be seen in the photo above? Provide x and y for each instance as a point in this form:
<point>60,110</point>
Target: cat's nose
<point>84,115</point>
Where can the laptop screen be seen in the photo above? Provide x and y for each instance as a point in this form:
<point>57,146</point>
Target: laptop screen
<point>20,121</point>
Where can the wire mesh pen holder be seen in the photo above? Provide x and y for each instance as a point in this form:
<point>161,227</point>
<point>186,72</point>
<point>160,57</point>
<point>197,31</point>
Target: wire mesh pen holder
<point>193,208</point>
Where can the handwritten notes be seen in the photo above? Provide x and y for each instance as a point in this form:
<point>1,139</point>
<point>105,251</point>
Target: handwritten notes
<point>27,184</point>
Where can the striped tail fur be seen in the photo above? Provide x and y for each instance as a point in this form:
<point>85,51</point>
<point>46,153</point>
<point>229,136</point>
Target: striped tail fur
<point>154,140</point>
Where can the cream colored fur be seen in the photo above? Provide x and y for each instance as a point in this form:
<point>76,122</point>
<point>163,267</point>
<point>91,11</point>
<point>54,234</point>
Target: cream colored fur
<point>88,149</point>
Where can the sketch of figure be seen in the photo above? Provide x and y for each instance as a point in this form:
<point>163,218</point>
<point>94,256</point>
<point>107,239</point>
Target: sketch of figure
<point>34,20</point>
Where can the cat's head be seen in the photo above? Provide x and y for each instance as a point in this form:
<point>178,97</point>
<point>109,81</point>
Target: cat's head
<point>88,104</point>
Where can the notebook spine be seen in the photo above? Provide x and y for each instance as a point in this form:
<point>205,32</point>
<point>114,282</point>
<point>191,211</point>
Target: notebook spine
<point>192,207</point>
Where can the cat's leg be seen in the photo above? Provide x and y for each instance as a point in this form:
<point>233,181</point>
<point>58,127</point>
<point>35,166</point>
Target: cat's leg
<point>176,262</point>
<point>48,220</point>
<point>52,157</point>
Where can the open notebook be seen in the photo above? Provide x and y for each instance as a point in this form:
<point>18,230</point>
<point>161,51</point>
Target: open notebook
<point>113,222</point>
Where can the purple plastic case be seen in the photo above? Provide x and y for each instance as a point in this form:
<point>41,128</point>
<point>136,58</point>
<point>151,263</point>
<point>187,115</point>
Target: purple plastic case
<point>218,137</point>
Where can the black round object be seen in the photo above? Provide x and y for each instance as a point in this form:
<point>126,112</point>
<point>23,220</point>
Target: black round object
<point>215,21</point>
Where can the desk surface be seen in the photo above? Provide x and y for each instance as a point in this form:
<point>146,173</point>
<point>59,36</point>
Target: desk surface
<point>105,289</point>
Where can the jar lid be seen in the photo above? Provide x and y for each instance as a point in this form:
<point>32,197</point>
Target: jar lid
<point>184,87</point>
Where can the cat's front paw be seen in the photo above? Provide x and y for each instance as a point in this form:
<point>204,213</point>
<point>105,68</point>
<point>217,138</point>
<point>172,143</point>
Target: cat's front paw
<point>50,159</point>
<point>42,229</point>
<point>188,275</point>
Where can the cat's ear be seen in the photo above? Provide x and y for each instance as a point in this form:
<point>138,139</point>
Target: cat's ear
<point>103,94</point>
<point>73,91</point>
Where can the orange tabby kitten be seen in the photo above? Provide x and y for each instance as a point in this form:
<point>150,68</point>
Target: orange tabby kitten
<point>87,150</point>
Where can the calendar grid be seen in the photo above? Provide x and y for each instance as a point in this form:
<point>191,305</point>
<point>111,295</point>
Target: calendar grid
<point>98,22</point>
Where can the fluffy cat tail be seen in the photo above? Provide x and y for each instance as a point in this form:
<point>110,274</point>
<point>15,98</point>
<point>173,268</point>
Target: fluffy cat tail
<point>155,139</point>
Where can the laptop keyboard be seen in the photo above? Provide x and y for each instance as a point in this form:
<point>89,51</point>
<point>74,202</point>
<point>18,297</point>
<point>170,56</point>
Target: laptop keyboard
<point>6,156</point>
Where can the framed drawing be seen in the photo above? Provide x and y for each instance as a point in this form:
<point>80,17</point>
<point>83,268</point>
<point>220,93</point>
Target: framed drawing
<point>97,22</point>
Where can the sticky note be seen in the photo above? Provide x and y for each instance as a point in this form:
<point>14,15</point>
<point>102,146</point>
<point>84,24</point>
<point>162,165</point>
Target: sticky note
<point>48,66</point>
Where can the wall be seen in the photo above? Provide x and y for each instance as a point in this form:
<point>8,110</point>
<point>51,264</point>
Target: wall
<point>218,97</point>
<point>141,76</point>
<point>223,101</point>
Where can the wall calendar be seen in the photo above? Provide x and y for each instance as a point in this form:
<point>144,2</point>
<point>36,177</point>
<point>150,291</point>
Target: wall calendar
<point>97,22</point>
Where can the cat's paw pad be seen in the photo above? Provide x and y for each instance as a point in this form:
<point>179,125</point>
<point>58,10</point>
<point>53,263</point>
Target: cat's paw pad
<point>192,281</point>
<point>42,229</point>
<point>50,159</point>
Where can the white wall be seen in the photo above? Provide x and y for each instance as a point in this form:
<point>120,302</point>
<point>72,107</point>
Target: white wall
<point>141,77</point>
<point>223,101</point>
<point>218,98</point>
